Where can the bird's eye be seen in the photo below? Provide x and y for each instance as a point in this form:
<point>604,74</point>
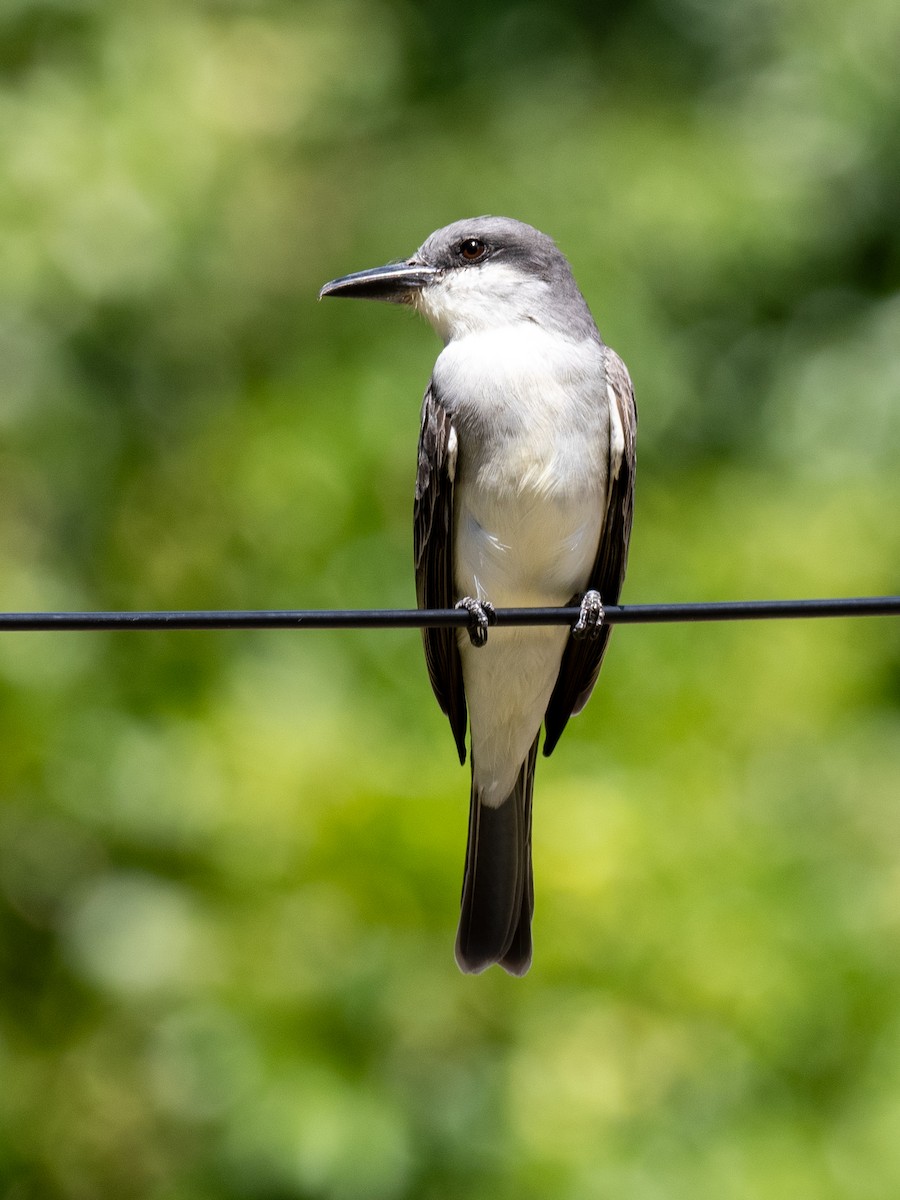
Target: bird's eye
<point>472,249</point>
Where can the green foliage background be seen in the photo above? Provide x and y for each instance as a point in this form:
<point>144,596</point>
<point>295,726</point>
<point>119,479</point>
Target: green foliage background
<point>230,863</point>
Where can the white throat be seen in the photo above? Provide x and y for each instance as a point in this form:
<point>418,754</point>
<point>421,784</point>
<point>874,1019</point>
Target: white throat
<point>476,299</point>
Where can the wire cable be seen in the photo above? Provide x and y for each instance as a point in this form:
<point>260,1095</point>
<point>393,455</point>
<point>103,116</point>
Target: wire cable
<point>631,614</point>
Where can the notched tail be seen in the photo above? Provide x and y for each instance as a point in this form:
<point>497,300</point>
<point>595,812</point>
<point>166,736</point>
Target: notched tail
<point>498,889</point>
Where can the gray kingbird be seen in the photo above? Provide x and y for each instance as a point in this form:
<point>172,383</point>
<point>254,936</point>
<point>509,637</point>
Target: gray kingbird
<point>524,496</point>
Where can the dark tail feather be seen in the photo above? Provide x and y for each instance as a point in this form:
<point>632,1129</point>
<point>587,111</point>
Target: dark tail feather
<point>498,890</point>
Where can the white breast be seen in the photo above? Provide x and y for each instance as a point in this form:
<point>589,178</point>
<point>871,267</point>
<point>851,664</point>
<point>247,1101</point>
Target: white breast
<point>531,413</point>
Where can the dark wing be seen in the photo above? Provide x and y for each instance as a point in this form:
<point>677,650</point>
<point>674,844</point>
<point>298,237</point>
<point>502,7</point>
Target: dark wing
<point>582,659</point>
<point>433,542</point>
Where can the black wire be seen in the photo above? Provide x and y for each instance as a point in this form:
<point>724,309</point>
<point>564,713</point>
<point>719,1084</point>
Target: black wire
<point>631,614</point>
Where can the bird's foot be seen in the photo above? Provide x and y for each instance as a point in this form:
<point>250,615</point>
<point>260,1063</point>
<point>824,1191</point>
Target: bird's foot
<point>481,615</point>
<point>590,620</point>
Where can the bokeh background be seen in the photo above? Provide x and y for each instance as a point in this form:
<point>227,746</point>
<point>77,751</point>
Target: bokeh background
<point>230,862</point>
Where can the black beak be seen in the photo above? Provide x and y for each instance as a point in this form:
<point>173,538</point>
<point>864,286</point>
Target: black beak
<point>396,282</point>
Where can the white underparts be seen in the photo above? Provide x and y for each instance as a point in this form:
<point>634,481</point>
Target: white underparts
<point>530,410</point>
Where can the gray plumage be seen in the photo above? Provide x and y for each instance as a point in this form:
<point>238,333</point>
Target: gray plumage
<point>524,496</point>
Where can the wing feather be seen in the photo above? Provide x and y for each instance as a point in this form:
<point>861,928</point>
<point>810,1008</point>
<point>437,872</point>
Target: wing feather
<point>433,544</point>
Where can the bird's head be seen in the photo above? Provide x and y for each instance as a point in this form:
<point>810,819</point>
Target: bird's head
<point>478,274</point>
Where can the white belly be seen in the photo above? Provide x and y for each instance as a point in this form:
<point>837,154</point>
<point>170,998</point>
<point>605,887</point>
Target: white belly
<point>520,551</point>
<point>525,547</point>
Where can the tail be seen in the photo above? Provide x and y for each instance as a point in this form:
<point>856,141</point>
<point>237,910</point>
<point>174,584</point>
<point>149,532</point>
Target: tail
<point>498,889</point>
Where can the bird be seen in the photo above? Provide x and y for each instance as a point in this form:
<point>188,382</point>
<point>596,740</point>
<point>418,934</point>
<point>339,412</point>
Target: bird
<point>524,497</point>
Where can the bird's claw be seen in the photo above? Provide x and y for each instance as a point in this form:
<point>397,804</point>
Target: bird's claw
<point>590,619</point>
<point>481,615</point>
